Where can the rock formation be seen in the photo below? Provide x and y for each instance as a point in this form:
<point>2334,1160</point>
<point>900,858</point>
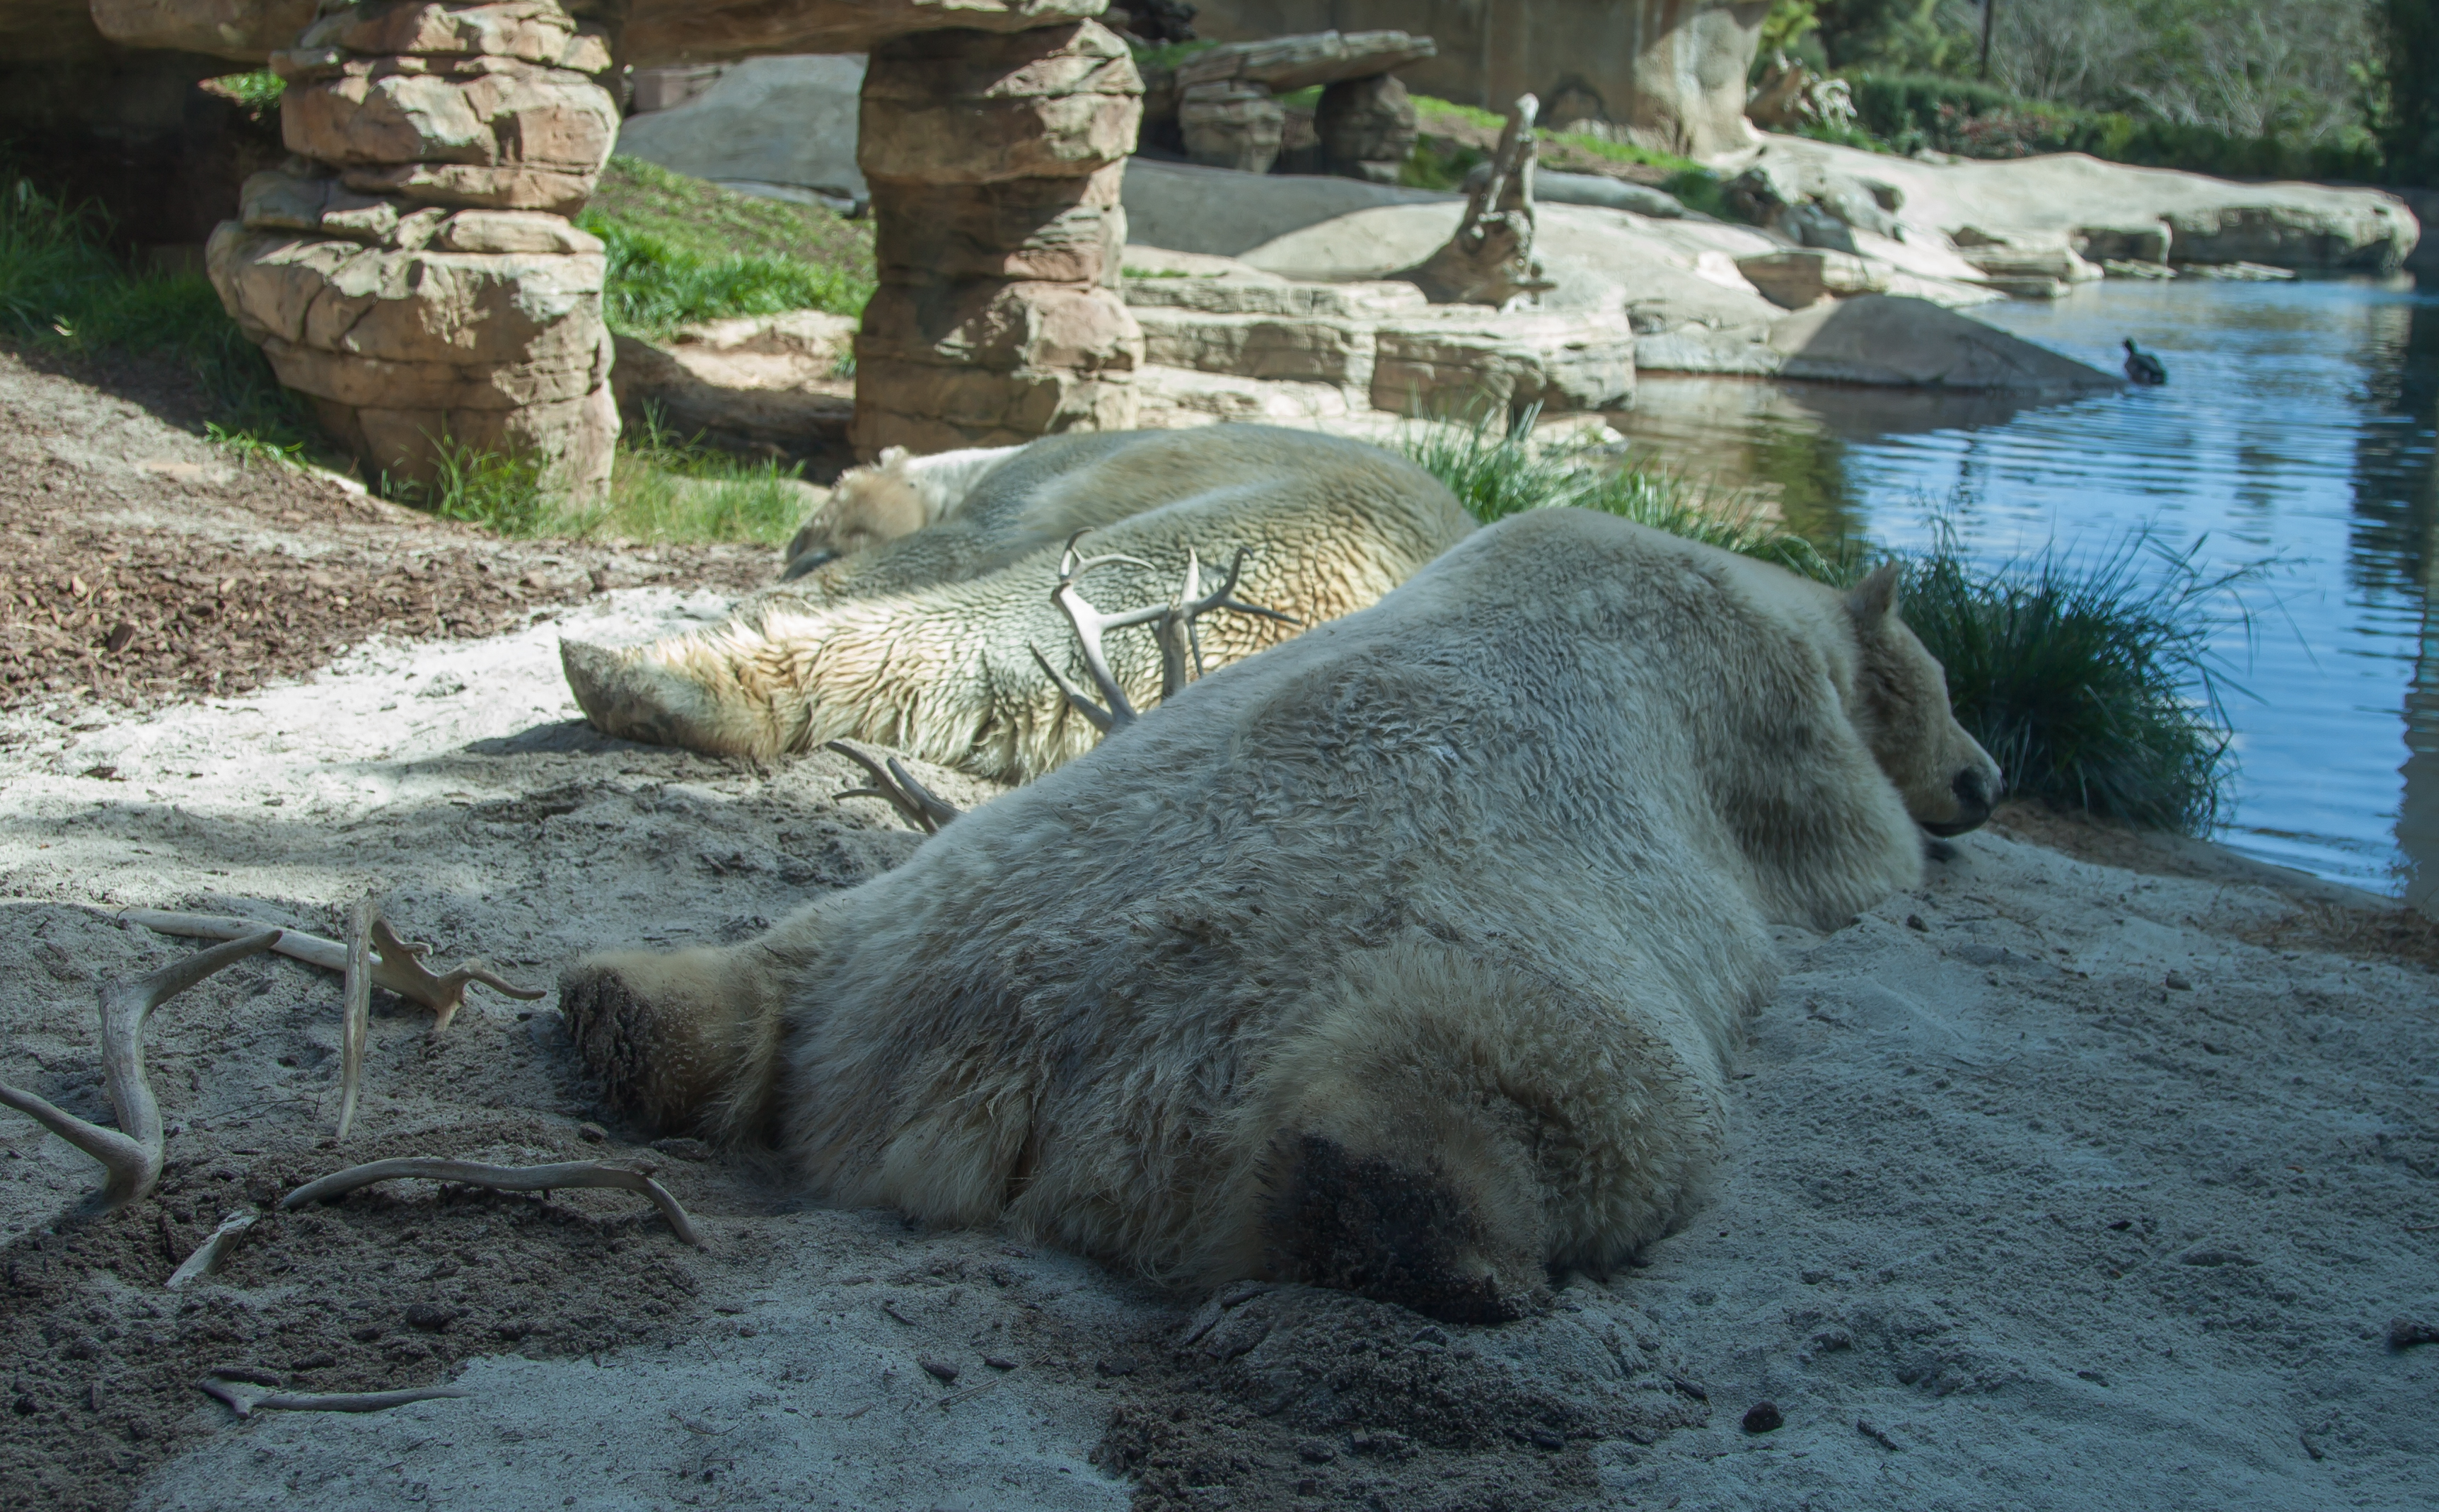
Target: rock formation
<point>412,271</point>
<point>994,163</point>
<point>1229,116</point>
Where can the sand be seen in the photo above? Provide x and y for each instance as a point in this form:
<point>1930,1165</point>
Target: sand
<point>2049,1186</point>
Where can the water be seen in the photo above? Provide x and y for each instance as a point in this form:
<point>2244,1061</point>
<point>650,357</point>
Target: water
<point>2297,423</point>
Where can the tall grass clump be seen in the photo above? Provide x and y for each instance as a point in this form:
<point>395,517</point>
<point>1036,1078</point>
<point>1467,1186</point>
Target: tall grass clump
<point>63,290</point>
<point>2094,686</point>
<point>1497,472</point>
<point>663,488</point>
<point>503,491</point>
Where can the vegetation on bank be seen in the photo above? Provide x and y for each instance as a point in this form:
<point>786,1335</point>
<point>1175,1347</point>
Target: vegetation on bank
<point>683,250</point>
<point>2275,88</point>
<point>1455,138</point>
<point>2093,684</point>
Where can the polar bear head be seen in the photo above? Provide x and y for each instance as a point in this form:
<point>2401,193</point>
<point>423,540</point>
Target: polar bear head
<point>1900,708</point>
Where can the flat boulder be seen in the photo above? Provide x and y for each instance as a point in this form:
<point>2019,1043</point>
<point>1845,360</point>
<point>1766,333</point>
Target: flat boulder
<point>1913,342</point>
<point>1285,64</point>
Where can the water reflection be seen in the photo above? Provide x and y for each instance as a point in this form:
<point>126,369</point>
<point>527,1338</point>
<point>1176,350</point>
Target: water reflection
<point>2298,422</point>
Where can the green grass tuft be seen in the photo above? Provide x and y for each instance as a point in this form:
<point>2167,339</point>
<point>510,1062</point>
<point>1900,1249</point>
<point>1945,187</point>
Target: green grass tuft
<point>2094,686</point>
<point>500,491</point>
<point>1496,474</point>
<point>62,289</point>
<point>683,250</point>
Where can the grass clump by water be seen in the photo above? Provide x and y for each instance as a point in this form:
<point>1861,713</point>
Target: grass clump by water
<point>62,289</point>
<point>2094,686</point>
<point>1496,474</point>
<point>683,250</point>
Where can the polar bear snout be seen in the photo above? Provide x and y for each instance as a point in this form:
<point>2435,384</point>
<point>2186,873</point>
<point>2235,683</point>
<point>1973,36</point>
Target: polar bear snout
<point>1977,792</point>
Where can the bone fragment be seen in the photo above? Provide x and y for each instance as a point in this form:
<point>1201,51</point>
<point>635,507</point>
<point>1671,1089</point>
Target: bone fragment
<point>248,1393</point>
<point>400,966</point>
<point>498,1179</point>
<point>356,1020</point>
<point>131,1154</point>
<point>208,1254</point>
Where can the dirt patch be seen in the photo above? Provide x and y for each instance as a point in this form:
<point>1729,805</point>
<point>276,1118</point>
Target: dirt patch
<point>1287,1397</point>
<point>2322,916</point>
<point>139,564</point>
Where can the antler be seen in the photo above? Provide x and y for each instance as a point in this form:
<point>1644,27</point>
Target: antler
<point>399,968</point>
<point>925,809</point>
<point>132,1153</point>
<point>1180,645</point>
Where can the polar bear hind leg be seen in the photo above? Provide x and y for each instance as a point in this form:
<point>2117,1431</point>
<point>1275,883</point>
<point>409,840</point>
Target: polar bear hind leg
<point>684,1043</point>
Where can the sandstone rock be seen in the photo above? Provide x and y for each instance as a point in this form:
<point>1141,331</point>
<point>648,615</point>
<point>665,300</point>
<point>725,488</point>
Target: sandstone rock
<point>496,134</point>
<point>680,31</point>
<point>768,120</point>
<point>241,30</point>
<point>1269,294</point>
<point>1285,64</point>
<point>926,407</point>
<point>1306,348</point>
<point>1003,328</point>
<point>1232,125</point>
<point>1884,339</point>
<point>1796,279</point>
<point>772,381</point>
<point>968,108</point>
<point>438,328</point>
<point>1177,398</point>
<point>576,440</point>
<point>2113,210</point>
<point>534,32</point>
<point>1366,128</point>
<point>1062,229</point>
<point>2036,259</point>
<point>1461,362</point>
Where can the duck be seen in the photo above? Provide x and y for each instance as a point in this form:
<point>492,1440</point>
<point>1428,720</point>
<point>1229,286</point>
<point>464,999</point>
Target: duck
<point>2144,368</point>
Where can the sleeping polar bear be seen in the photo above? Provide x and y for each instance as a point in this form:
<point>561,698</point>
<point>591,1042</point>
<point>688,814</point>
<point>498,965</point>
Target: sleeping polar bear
<point>1406,957</point>
<point>916,598</point>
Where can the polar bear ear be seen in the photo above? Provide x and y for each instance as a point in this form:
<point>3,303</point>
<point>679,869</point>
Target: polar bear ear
<point>1872,599</point>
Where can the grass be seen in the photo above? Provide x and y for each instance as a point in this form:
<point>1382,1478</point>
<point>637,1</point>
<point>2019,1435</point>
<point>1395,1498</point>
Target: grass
<point>1443,165</point>
<point>2093,684</point>
<point>63,290</point>
<point>682,251</point>
<point>661,488</point>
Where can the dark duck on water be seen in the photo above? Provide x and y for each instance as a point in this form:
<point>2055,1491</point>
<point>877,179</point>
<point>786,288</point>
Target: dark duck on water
<point>2144,368</point>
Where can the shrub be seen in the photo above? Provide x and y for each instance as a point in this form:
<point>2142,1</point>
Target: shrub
<point>2094,686</point>
<point>62,289</point>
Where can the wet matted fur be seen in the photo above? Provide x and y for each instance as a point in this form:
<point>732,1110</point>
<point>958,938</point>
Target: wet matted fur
<point>924,641</point>
<point>1406,957</point>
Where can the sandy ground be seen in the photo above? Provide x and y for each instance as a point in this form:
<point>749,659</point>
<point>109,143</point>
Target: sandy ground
<point>2051,1187</point>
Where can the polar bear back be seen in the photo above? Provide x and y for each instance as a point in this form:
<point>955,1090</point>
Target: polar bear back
<point>1589,759</point>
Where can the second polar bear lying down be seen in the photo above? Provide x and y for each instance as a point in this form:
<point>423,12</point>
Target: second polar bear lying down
<point>920,596</point>
<point>1406,957</point>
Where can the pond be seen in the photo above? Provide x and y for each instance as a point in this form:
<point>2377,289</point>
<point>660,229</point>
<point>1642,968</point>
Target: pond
<point>2297,425</point>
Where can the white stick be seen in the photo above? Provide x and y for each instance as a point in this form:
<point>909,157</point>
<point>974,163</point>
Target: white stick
<point>499,1179</point>
<point>357,1013</point>
<point>208,1254</point>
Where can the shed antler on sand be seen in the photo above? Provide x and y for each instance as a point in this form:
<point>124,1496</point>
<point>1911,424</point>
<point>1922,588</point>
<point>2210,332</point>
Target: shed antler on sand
<point>398,968</point>
<point>499,1179</point>
<point>131,1152</point>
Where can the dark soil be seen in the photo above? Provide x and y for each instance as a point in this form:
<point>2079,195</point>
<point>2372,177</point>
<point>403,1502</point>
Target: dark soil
<point>139,578</point>
<point>1297,1397</point>
<point>103,1364</point>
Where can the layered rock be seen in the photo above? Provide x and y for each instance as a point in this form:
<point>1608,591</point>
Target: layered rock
<point>1228,113</point>
<point>995,163</point>
<point>413,271</point>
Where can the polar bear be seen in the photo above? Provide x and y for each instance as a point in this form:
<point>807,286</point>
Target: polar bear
<point>921,633</point>
<point>1406,957</point>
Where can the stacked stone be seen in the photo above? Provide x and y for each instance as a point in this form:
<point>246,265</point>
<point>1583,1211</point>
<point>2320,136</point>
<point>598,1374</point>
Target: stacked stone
<point>995,162</point>
<point>412,268</point>
<point>1229,116</point>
